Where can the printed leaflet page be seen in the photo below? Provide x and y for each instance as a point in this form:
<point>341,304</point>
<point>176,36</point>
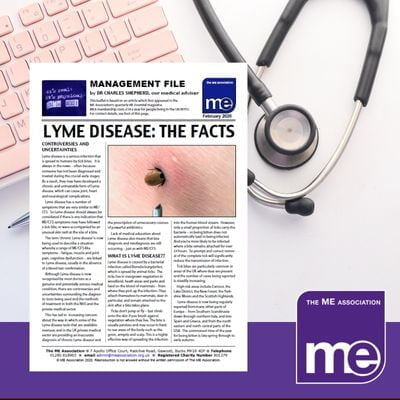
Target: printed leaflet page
<point>138,253</point>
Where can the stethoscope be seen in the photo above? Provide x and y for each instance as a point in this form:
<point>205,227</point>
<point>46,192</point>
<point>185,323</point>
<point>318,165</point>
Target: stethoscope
<point>286,137</point>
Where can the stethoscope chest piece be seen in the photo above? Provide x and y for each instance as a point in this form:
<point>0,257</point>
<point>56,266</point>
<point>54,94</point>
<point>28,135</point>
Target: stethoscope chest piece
<point>287,138</point>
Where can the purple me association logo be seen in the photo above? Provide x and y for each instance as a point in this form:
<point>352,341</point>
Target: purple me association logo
<point>340,337</point>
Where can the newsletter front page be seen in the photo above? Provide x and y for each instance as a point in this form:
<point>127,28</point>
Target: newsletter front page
<point>138,252</point>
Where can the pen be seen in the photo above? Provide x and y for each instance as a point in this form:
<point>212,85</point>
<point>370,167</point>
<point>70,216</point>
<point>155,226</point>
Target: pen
<point>23,220</point>
<point>157,211</point>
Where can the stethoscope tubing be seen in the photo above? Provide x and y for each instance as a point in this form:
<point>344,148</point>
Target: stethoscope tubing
<point>296,202</point>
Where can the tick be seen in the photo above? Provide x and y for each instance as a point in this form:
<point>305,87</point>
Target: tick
<point>155,177</point>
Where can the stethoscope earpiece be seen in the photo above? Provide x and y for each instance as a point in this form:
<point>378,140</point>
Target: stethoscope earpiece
<point>287,138</point>
<point>304,207</point>
<point>301,206</point>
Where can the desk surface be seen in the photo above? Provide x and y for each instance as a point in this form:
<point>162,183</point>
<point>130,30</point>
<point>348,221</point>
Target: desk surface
<point>351,243</point>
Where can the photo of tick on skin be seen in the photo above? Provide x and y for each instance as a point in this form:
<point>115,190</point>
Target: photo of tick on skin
<point>171,181</point>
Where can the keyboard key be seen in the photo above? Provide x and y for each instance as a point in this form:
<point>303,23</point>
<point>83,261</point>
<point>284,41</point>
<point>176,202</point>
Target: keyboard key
<point>18,73</point>
<point>70,24</point>
<point>122,7</point>
<point>153,46</point>
<point>173,57</point>
<point>5,25</point>
<point>4,54</point>
<point>46,34</point>
<point>93,43</point>
<point>54,7</point>
<point>21,44</point>
<point>42,57</point>
<point>31,14</point>
<point>14,159</point>
<point>24,93</point>
<point>21,126</point>
<point>78,2</point>
<point>69,52</point>
<point>95,14</point>
<point>105,58</point>
<point>3,83</point>
<point>6,137</point>
<point>10,106</point>
<point>117,33</point>
<point>147,20</point>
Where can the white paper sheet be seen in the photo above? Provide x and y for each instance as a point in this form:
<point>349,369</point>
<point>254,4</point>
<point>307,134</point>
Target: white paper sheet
<point>113,286</point>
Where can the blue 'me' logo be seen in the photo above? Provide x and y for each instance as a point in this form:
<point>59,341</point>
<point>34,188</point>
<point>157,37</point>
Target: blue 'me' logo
<point>219,95</point>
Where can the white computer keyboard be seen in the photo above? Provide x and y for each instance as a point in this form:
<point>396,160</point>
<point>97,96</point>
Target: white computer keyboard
<point>70,31</point>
